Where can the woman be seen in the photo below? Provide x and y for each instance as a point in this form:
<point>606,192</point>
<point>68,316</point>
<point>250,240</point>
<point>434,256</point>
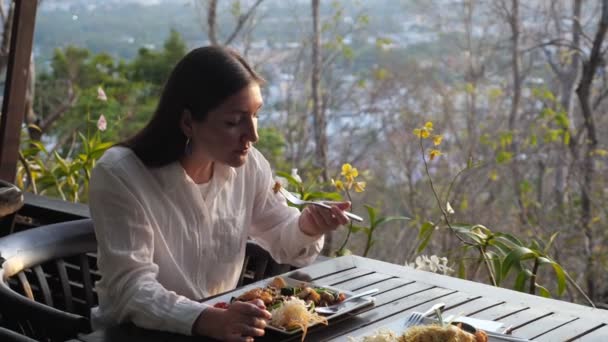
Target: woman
<point>173,206</point>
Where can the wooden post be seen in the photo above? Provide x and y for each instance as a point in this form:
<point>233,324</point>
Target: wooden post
<point>13,105</point>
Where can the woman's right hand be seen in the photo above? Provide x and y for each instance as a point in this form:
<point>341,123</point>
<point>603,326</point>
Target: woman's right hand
<point>242,321</point>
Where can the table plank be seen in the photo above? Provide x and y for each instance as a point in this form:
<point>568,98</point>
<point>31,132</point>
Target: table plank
<point>543,325</point>
<point>323,269</point>
<point>451,300</point>
<point>570,331</point>
<point>600,334</point>
<point>363,281</point>
<point>342,277</point>
<point>386,285</point>
<point>475,306</point>
<point>502,294</point>
<point>403,290</point>
<point>386,306</point>
<point>495,313</point>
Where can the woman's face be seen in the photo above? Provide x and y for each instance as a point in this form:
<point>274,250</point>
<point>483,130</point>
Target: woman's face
<point>228,132</point>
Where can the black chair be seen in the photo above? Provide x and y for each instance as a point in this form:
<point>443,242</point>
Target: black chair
<point>46,280</point>
<point>11,336</point>
<point>47,277</point>
<point>259,265</point>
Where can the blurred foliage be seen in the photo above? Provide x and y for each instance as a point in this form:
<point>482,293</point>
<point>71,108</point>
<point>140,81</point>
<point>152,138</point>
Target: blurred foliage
<point>60,163</point>
<point>498,253</point>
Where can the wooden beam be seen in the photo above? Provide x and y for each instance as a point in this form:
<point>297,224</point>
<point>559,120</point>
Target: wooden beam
<point>17,72</point>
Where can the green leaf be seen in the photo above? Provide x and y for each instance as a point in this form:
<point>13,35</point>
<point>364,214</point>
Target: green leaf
<point>550,243</point>
<point>472,232</point>
<point>542,291</point>
<point>387,219</point>
<point>500,246</point>
<point>548,95</point>
<point>561,278</point>
<point>462,270</point>
<point>426,231</point>
<point>533,140</point>
<point>542,260</point>
<point>562,120</point>
<point>38,145</point>
<point>520,281</point>
<point>321,195</point>
<point>509,238</point>
<point>289,178</point>
<point>85,142</point>
<point>62,162</point>
<point>514,259</point>
<point>534,245</point>
<point>356,229</point>
<point>566,137</point>
<point>371,212</point>
<point>496,265</point>
<point>426,226</point>
<point>503,157</point>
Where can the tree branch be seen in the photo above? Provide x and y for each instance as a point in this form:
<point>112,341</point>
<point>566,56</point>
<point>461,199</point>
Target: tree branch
<point>241,21</point>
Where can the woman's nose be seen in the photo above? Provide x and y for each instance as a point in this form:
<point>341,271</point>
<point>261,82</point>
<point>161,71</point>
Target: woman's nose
<point>251,135</point>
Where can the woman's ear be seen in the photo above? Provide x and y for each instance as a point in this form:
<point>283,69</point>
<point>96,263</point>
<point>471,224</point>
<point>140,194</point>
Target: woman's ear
<point>185,123</point>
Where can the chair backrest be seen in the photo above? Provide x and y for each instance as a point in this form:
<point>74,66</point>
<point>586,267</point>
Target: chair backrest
<point>11,336</point>
<point>46,280</point>
<point>259,264</point>
<point>47,277</point>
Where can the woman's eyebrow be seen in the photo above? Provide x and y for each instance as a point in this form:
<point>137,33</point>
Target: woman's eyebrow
<point>246,111</point>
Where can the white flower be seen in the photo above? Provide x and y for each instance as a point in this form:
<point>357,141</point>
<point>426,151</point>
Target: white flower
<point>449,208</point>
<point>101,95</point>
<point>295,175</point>
<point>102,124</point>
<point>433,264</point>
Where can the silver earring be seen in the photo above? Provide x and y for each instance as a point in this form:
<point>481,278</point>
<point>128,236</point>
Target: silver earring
<point>188,148</point>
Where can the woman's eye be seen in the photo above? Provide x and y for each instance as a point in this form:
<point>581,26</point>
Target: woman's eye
<point>233,121</point>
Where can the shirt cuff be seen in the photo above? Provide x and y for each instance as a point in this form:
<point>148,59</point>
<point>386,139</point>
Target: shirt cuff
<point>185,312</point>
<point>302,238</point>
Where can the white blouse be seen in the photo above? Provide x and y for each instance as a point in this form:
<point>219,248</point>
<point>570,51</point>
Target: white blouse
<point>162,245</point>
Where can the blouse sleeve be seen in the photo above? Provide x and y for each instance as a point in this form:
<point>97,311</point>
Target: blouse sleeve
<point>125,259</point>
<point>275,225</point>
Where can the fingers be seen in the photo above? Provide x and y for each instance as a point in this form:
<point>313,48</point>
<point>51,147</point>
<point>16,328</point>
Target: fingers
<point>335,216</point>
<point>324,217</point>
<point>257,322</point>
<point>250,309</point>
<point>247,330</point>
<point>259,303</point>
<point>239,338</point>
<point>312,215</point>
<point>343,205</point>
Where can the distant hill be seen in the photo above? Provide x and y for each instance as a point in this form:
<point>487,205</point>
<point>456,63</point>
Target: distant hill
<point>118,27</point>
<point>121,27</point>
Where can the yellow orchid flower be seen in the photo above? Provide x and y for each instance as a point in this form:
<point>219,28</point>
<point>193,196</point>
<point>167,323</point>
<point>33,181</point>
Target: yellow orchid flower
<point>359,186</point>
<point>428,125</point>
<point>349,172</point>
<point>437,140</point>
<point>425,133</point>
<point>338,184</point>
<point>434,153</point>
<point>418,132</point>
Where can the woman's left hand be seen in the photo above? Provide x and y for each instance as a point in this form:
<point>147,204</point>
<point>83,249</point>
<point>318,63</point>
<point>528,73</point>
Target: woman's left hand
<point>316,220</point>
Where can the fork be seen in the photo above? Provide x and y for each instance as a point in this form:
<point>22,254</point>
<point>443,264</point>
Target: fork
<point>332,309</point>
<point>415,318</point>
<point>293,199</point>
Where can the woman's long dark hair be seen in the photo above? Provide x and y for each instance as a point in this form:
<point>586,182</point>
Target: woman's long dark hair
<point>200,82</point>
